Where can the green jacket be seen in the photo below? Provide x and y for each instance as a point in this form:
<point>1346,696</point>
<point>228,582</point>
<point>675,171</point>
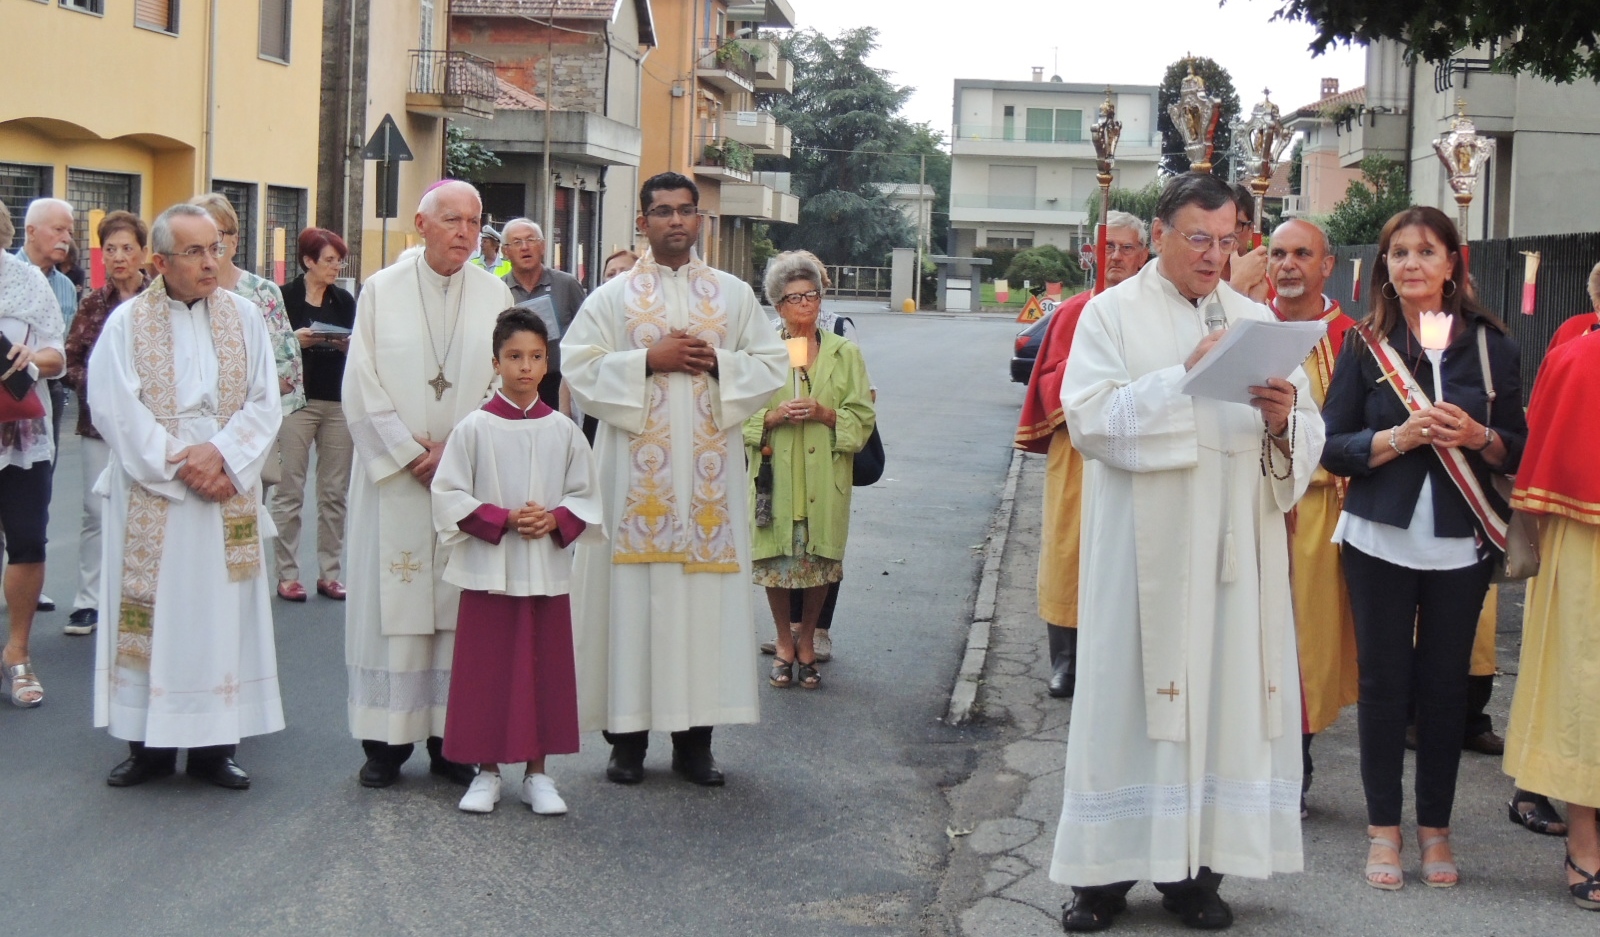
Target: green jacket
<point>838,382</point>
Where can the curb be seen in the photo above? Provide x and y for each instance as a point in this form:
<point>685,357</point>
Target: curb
<point>964,695</point>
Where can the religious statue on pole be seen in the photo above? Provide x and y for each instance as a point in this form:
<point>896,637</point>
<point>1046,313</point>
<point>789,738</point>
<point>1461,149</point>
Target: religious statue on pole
<point>1463,153</point>
<point>1195,114</point>
<point>1105,133</point>
<point>1265,139</point>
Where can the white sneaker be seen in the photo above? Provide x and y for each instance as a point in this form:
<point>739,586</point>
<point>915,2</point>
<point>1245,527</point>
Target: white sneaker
<point>822,643</point>
<point>482,794</point>
<point>539,792</point>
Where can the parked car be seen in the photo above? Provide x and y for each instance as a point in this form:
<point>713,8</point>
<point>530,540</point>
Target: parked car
<point>1027,348</point>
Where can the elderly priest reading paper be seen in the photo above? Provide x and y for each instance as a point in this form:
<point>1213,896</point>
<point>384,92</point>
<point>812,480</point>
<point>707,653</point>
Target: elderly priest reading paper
<point>1184,759</point>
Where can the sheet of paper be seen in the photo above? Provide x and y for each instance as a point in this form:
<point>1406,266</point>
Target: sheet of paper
<point>1249,353</point>
<point>542,307</point>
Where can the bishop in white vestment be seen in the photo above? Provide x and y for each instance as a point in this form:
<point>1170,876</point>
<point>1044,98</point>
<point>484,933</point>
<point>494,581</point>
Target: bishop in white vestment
<point>186,659</point>
<point>1183,758</point>
<point>421,359</point>
<point>664,633</point>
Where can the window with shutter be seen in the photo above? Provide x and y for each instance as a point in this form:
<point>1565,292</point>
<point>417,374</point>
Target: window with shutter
<point>159,15</point>
<point>97,7</point>
<point>274,39</point>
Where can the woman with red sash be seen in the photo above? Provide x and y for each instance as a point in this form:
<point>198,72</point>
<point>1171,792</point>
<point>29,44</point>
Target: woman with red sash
<point>1421,525</point>
<point>1553,744</point>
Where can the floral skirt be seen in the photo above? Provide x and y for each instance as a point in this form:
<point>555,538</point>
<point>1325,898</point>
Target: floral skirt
<point>800,571</point>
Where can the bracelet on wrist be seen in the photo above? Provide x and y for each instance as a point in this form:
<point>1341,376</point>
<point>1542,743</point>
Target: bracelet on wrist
<point>1488,439</point>
<point>1392,444</point>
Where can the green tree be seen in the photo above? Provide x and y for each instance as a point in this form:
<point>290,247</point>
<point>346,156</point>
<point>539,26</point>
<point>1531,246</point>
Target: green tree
<point>464,157</point>
<point>1369,202</point>
<point>1141,203</point>
<point>1219,84</point>
<point>1045,262</point>
<point>1297,162</point>
<point>1553,39</point>
<point>917,142</point>
<point>843,115</point>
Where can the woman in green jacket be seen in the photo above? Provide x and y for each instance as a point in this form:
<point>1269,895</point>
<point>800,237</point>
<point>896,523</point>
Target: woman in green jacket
<point>801,449</point>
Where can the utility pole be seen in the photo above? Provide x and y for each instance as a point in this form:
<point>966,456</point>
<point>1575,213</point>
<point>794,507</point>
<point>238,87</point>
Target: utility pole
<point>549,223</point>
<point>922,181</point>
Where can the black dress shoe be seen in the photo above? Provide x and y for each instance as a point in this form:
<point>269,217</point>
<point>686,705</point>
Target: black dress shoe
<point>138,769</point>
<point>379,772</point>
<point>1091,909</point>
<point>626,765</point>
<point>697,765</point>
<point>1063,661</point>
<point>1200,908</point>
<point>223,772</point>
<point>453,771</point>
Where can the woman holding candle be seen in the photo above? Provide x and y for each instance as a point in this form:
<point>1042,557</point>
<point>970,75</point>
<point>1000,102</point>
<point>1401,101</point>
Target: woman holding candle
<point>1421,519</point>
<point>801,449</point>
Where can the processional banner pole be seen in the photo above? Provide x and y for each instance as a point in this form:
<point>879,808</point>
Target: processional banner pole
<point>1105,133</point>
<point>1463,153</point>
<point>1265,139</point>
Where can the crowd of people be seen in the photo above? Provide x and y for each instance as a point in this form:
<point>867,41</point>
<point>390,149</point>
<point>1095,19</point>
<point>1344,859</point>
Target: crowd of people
<point>608,432</point>
<point>1244,568</point>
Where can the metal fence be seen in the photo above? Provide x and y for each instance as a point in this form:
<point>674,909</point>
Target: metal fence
<point>1497,266</point>
<point>860,282</point>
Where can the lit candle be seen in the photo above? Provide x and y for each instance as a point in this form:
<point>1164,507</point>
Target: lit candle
<point>798,350</point>
<point>1434,333</point>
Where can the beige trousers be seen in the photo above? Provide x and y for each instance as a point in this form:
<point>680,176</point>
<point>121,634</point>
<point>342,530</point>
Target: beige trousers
<point>95,454</point>
<point>320,422</point>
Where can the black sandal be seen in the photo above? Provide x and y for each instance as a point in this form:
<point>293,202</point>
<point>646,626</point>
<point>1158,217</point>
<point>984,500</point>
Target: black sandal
<point>1585,894</point>
<point>1540,818</point>
<point>781,677</point>
<point>810,679</point>
<point>1091,910</point>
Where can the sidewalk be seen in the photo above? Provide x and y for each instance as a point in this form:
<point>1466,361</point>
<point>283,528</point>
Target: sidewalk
<point>1004,815</point>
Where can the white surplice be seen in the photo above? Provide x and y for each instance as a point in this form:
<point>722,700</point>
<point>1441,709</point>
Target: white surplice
<point>1184,747</point>
<point>213,676</point>
<point>400,614</point>
<point>657,647</point>
<point>507,463</point>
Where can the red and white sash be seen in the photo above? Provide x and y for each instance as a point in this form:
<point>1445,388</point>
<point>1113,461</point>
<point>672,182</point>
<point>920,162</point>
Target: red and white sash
<point>1401,381</point>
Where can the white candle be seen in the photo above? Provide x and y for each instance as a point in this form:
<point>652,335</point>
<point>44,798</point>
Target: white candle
<point>1435,336</point>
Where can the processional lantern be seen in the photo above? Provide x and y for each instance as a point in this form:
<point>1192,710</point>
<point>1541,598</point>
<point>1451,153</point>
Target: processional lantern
<point>1105,133</point>
<point>1463,153</point>
<point>1265,139</point>
<point>1195,114</point>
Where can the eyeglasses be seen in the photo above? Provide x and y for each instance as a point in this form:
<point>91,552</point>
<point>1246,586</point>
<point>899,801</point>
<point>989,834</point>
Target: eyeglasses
<point>795,299</point>
<point>665,212</point>
<point>524,242</point>
<point>1200,243</point>
<point>1113,248</point>
<point>198,251</point>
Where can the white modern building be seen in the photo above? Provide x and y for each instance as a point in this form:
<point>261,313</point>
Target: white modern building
<point>915,203</point>
<point>1540,180</point>
<point>1022,163</point>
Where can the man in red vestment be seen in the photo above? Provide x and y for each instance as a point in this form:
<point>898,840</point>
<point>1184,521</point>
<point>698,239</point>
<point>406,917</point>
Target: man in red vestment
<point>1583,323</point>
<point>1042,429</point>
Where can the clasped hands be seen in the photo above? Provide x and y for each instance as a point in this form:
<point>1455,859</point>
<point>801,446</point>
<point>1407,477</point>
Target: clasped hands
<point>1444,425</point>
<point>531,520</point>
<point>202,469</point>
<point>680,351</point>
<point>798,410</point>
<point>423,466</point>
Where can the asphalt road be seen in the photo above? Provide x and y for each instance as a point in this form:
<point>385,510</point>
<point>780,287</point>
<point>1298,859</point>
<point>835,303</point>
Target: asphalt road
<point>833,820</point>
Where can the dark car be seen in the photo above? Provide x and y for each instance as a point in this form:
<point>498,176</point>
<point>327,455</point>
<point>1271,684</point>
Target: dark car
<point>1027,348</point>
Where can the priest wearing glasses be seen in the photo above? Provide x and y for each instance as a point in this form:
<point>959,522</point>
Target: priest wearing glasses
<point>420,360</point>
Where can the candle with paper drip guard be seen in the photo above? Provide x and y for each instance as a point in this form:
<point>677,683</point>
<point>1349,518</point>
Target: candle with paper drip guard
<point>1434,332</point>
<point>799,350</point>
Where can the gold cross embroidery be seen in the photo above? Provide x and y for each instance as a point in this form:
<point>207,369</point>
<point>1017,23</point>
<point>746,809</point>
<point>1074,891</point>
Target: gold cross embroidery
<point>1171,692</point>
<point>405,567</point>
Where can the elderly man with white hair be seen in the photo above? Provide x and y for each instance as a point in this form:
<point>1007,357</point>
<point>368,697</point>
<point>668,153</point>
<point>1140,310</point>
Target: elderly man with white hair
<point>1042,428</point>
<point>420,360</point>
<point>552,294</point>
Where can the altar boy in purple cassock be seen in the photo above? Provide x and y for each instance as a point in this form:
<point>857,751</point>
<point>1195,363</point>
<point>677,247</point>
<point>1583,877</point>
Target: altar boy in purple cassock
<point>514,466</point>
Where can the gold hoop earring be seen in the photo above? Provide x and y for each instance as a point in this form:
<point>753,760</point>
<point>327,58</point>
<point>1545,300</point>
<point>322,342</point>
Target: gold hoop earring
<point>1452,285</point>
<point>1388,290</point>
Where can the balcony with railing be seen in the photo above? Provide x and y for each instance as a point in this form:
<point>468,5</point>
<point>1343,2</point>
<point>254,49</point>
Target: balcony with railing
<point>448,83</point>
<point>728,67</point>
<point>979,207</point>
<point>724,159</point>
<point>1016,139</point>
<point>758,130</point>
<point>760,202</point>
<point>774,74</point>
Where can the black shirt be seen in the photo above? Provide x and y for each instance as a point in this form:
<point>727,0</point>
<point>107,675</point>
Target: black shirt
<point>324,363</point>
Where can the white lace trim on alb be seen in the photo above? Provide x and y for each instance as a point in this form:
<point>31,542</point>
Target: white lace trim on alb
<point>1122,430</point>
<point>1160,801</point>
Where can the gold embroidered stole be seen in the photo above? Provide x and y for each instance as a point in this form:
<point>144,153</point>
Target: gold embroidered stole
<point>145,535</point>
<point>650,530</point>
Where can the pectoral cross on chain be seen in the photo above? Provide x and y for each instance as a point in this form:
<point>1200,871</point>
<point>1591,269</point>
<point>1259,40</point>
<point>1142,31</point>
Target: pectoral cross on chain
<point>439,385</point>
<point>1171,692</point>
<point>406,566</point>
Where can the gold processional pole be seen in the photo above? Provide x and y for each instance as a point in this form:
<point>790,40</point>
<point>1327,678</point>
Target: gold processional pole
<point>1105,132</point>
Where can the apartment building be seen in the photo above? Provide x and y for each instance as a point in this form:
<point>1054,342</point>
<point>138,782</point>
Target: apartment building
<point>1545,136</point>
<point>566,125</point>
<point>1022,163</point>
<point>1323,178</point>
<point>136,106</point>
<point>700,118</point>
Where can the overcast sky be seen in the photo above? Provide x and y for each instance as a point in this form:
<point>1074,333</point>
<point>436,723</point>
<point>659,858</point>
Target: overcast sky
<point>1121,41</point>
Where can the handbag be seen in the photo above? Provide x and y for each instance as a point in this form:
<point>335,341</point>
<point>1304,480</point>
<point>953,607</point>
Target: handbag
<point>763,510</point>
<point>869,461</point>
<point>1521,558</point>
<point>19,403</point>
